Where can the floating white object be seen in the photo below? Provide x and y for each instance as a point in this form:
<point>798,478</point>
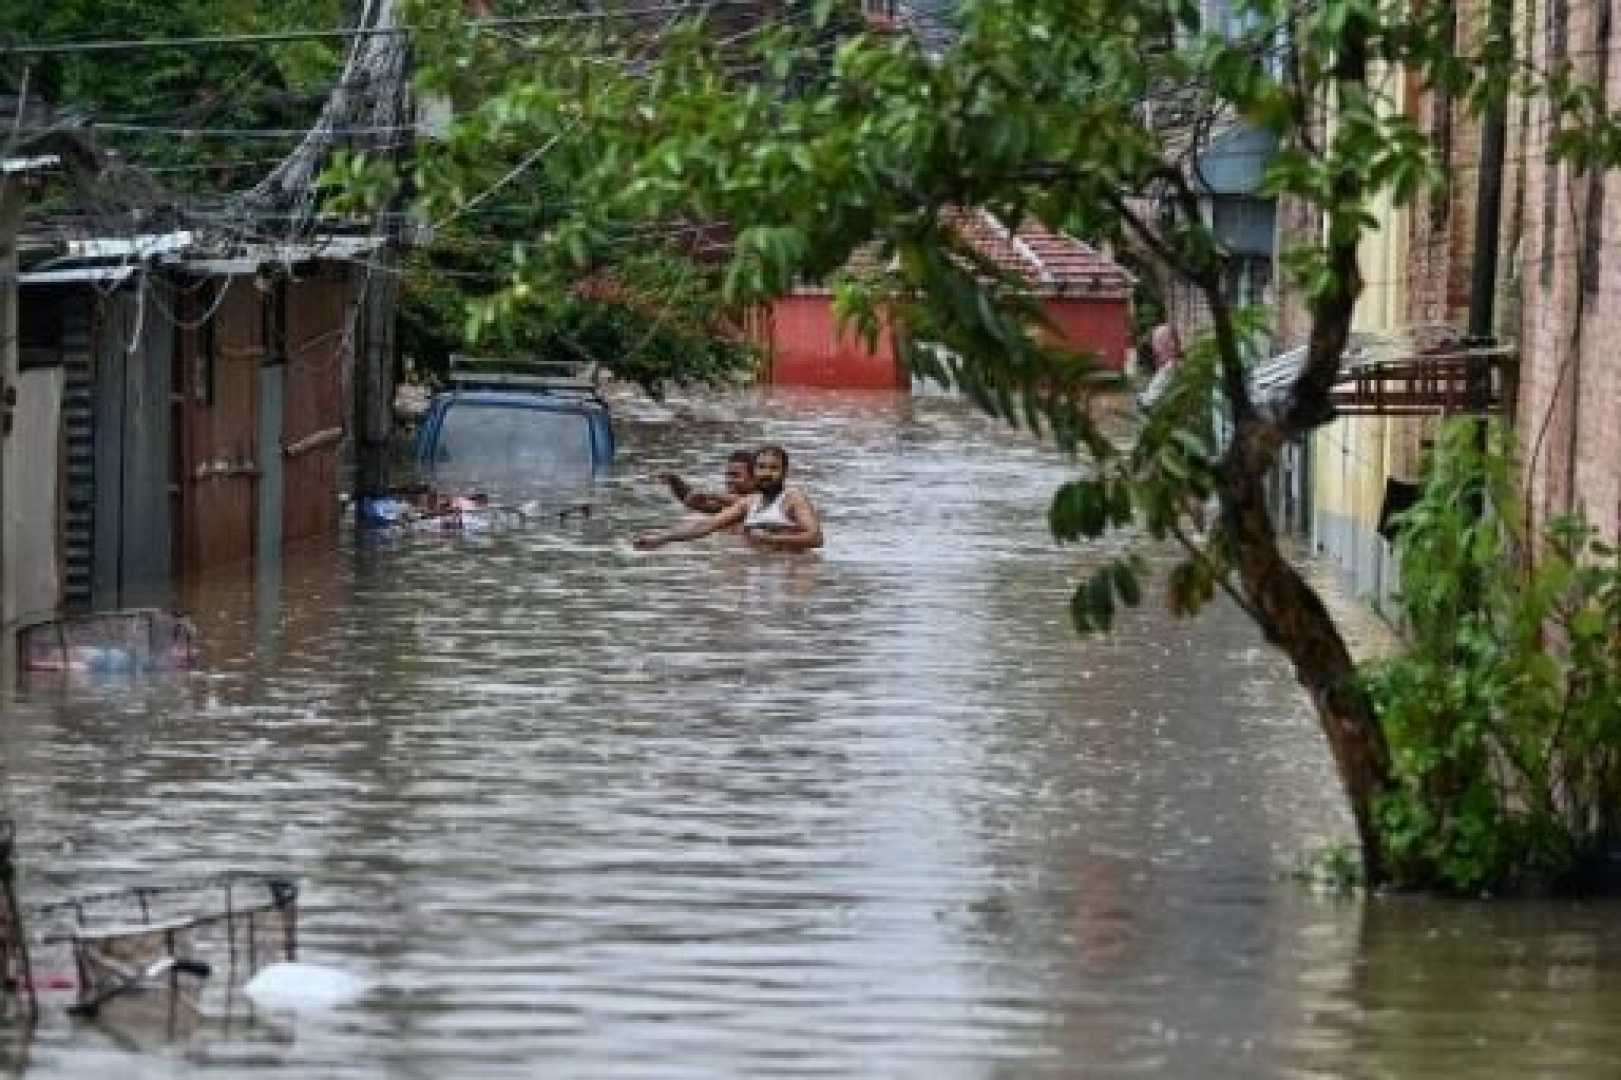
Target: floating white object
<point>300,987</point>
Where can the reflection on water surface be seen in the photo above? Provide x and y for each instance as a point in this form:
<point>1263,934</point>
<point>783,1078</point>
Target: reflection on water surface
<point>581,811</point>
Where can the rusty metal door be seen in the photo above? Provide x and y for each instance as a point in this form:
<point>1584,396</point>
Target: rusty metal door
<point>317,325</point>
<point>221,361</point>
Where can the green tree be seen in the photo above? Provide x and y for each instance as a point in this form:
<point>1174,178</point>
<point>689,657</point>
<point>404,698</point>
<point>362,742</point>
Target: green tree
<point>818,147</point>
<point>649,309</point>
<point>146,97</point>
<point>670,328</point>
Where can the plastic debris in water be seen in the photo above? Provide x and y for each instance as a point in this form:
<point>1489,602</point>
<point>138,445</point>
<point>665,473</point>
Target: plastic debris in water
<point>298,987</point>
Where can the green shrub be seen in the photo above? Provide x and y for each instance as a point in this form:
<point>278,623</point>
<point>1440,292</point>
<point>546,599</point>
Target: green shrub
<point>1504,715</point>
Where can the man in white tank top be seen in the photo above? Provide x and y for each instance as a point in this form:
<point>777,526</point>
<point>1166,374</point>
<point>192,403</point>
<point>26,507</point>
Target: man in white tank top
<point>775,516</point>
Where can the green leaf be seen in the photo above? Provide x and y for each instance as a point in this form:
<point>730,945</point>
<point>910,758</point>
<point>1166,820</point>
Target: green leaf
<point>1126,584</point>
<point>1070,510</point>
<point>1120,507</point>
<point>1100,599</point>
<point>578,251</point>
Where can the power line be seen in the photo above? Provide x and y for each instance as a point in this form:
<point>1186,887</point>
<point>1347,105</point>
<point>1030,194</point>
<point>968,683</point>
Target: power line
<point>56,48</point>
<point>231,133</point>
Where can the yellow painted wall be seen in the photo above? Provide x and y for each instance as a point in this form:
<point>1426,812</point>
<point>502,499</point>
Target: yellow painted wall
<point>1352,457</point>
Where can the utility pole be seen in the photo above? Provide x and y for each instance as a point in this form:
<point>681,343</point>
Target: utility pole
<point>370,95</point>
<point>374,375</point>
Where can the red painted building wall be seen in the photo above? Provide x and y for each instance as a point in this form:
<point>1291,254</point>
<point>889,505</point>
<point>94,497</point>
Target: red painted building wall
<point>804,348</point>
<point>1097,325</point>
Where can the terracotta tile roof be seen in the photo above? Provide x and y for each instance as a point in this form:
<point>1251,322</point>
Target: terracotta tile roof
<point>1051,263</point>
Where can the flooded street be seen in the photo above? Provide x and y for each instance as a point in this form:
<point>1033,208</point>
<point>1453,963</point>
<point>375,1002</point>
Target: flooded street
<point>580,811</point>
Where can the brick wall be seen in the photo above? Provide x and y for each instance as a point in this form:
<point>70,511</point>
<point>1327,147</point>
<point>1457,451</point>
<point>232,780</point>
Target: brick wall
<point>1569,407</point>
<point>1442,230</point>
<point>1248,280</point>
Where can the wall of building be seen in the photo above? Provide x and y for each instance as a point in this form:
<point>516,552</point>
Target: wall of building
<point>1249,282</point>
<point>134,441</point>
<point>317,320</point>
<point>219,366</point>
<point>36,440</point>
<point>1352,458</point>
<point>1101,327</point>
<point>1569,406</point>
<point>805,348</point>
<point>264,416</point>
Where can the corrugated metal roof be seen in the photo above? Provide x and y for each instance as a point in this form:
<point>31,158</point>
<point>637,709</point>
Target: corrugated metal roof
<point>253,256</point>
<point>186,249</point>
<point>112,274</point>
<point>140,246</point>
<point>38,163</point>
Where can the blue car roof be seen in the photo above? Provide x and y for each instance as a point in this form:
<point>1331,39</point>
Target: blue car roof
<point>523,399</point>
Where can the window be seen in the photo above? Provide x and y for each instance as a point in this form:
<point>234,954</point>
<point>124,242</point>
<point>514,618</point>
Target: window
<point>508,448</point>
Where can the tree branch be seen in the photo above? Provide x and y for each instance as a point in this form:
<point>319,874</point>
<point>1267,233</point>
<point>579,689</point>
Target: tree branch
<point>1205,273</point>
<point>1219,576</point>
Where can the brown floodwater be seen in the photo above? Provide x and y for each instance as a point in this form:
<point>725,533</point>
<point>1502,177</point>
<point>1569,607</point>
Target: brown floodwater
<point>579,811</point>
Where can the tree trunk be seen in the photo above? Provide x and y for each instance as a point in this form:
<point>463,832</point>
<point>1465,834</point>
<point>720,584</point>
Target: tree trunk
<point>1294,619</point>
<point>1290,613</point>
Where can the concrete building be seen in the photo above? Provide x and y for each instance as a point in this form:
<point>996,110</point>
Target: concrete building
<point>1417,267</point>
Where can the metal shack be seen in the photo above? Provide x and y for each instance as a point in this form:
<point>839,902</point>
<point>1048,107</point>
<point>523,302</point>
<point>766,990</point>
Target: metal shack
<point>187,408</point>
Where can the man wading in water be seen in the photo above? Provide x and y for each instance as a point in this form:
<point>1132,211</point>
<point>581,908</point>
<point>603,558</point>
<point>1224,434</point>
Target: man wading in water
<point>775,516</point>
<point>739,485</point>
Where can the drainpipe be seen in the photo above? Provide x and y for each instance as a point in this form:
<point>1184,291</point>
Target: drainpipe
<point>1488,213</point>
<point>1488,206</point>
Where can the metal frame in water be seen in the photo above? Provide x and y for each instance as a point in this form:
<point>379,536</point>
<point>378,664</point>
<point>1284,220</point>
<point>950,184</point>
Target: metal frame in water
<point>175,938</point>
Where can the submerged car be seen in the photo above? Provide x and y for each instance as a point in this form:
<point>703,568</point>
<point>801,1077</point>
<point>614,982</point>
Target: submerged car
<point>513,428</point>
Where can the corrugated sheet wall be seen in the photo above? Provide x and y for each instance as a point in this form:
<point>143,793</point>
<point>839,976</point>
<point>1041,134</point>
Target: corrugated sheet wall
<point>79,439</point>
<point>316,323</point>
<point>220,360</point>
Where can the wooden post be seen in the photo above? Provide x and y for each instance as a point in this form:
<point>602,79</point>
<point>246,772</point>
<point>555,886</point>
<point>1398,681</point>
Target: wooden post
<point>374,378</point>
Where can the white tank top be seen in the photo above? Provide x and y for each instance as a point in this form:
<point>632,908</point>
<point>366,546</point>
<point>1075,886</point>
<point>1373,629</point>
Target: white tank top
<point>770,516</point>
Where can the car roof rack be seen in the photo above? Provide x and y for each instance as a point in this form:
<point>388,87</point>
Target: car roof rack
<point>524,373</point>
